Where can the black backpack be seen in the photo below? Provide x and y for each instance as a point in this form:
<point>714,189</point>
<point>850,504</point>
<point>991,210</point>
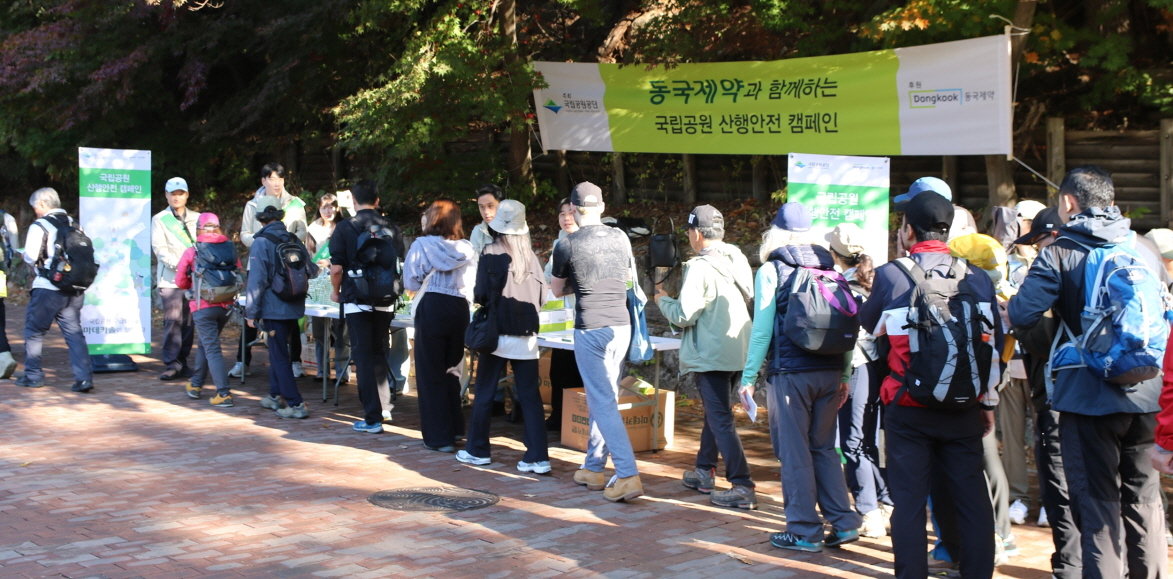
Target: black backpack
<point>950,338</point>
<point>73,268</point>
<point>822,315</point>
<point>291,280</point>
<point>377,271</point>
<point>215,277</point>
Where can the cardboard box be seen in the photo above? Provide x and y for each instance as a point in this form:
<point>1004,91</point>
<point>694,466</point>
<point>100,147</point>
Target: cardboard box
<point>641,421</point>
<point>555,320</point>
<point>544,377</point>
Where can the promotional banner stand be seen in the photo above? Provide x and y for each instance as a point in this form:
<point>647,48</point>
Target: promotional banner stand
<point>106,363</point>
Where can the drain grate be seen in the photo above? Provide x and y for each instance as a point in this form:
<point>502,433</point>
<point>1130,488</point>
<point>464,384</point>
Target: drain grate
<point>433,499</point>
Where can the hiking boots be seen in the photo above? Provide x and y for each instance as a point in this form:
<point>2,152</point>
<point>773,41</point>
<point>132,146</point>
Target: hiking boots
<point>700,479</point>
<point>623,489</point>
<point>738,497</point>
<point>594,481</point>
<point>299,411</point>
<point>272,402</point>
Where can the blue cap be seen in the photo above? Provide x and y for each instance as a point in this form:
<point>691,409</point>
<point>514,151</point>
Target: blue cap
<point>792,217</point>
<point>926,184</point>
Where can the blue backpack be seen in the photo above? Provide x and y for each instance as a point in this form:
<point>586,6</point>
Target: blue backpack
<point>1124,322</point>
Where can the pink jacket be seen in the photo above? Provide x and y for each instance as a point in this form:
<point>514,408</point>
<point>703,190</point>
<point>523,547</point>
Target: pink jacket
<point>186,263</point>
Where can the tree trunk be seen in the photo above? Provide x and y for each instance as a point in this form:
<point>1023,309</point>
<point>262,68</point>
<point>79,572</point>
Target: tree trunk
<point>520,160</point>
<point>999,170</point>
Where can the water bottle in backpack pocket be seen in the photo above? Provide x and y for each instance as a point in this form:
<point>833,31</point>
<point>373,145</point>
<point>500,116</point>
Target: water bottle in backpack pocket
<point>378,270</point>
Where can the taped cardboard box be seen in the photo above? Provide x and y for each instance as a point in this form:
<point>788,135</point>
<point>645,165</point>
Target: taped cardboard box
<point>544,376</point>
<point>641,421</point>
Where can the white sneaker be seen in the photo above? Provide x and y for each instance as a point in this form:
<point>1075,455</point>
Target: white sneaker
<point>297,371</point>
<point>1043,522</point>
<point>238,370</point>
<point>387,415</point>
<point>7,365</point>
<point>1018,512</point>
<point>875,525</point>
<point>465,457</point>
<point>539,467</point>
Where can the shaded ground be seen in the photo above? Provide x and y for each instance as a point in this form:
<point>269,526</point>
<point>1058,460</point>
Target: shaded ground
<point>136,480</point>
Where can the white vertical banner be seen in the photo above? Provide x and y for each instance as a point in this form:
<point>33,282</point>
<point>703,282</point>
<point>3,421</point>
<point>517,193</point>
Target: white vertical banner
<point>841,189</point>
<point>114,209</point>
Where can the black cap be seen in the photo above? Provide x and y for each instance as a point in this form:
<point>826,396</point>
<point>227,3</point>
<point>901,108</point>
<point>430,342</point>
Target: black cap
<point>705,216</point>
<point>928,211</point>
<point>1045,223</point>
<point>586,194</point>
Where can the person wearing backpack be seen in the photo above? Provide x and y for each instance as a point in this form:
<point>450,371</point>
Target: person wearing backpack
<point>806,388</point>
<point>278,280</point>
<point>47,301</point>
<point>712,310</point>
<point>293,211</point>
<point>173,231</point>
<point>1105,428</point>
<point>210,272</point>
<point>936,313</point>
<point>358,261</point>
<point>8,244</point>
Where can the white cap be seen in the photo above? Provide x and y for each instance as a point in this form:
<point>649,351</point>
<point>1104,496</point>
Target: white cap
<point>1029,208</point>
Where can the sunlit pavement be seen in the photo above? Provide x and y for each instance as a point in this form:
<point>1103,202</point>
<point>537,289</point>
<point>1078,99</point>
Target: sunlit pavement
<point>137,480</point>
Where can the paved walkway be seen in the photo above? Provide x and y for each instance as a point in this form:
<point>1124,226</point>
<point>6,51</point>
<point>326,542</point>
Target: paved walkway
<point>137,480</point>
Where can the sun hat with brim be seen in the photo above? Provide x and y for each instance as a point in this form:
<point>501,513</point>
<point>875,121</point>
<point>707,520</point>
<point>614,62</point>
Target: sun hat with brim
<point>510,218</point>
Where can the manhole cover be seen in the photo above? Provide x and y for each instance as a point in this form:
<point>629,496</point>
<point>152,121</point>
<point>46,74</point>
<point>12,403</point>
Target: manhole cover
<point>433,499</point>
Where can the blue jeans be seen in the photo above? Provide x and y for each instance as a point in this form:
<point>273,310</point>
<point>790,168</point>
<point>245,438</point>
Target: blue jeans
<point>209,358</point>
<point>599,353</point>
<point>859,429</point>
<point>46,305</point>
<point>803,407</point>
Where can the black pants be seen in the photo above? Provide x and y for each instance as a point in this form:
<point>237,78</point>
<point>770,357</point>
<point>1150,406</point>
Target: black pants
<point>178,329</point>
<point>921,442</point>
<point>369,332</point>
<point>440,321</point>
<point>525,380</point>
<point>563,374</point>
<point>1115,493</point>
<point>4,347</point>
<point>1066,561</point>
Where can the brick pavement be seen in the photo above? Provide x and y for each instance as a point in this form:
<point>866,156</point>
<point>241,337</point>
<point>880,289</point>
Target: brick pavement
<point>136,480</point>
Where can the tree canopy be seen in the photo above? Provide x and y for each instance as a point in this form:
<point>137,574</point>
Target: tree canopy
<point>435,96</point>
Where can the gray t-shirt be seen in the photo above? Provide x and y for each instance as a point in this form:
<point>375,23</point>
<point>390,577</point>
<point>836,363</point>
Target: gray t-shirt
<point>596,262</point>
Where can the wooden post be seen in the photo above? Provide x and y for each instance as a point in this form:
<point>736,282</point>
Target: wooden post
<point>689,179</point>
<point>619,184</point>
<point>950,174</point>
<point>561,175</point>
<point>1056,156</point>
<point>1166,172</point>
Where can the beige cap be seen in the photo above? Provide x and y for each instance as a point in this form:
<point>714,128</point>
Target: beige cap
<point>1164,240</point>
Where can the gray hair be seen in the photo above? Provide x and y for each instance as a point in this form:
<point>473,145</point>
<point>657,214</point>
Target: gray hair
<point>1090,185</point>
<point>46,196</point>
<point>716,232</point>
<point>775,237</point>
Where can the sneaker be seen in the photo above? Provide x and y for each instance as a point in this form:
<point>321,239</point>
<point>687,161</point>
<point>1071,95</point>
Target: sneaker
<point>170,374</point>
<point>840,538</point>
<point>788,540</point>
<point>299,411</point>
<point>1009,545</point>
<point>539,467</point>
<point>875,525</point>
<point>272,402</point>
<point>362,426</point>
<point>193,391</point>
<point>466,458</point>
<point>239,370</point>
<point>297,370</point>
<point>738,497</point>
<point>1000,556</point>
<point>222,400</point>
<point>623,489</point>
<point>592,480</point>
<point>1043,522</point>
<point>83,386</point>
<point>7,365</point>
<point>445,448</point>
<point>387,416</point>
<point>29,383</point>
<point>700,479</point>
<point>942,568</point>
<point>1018,512</point>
